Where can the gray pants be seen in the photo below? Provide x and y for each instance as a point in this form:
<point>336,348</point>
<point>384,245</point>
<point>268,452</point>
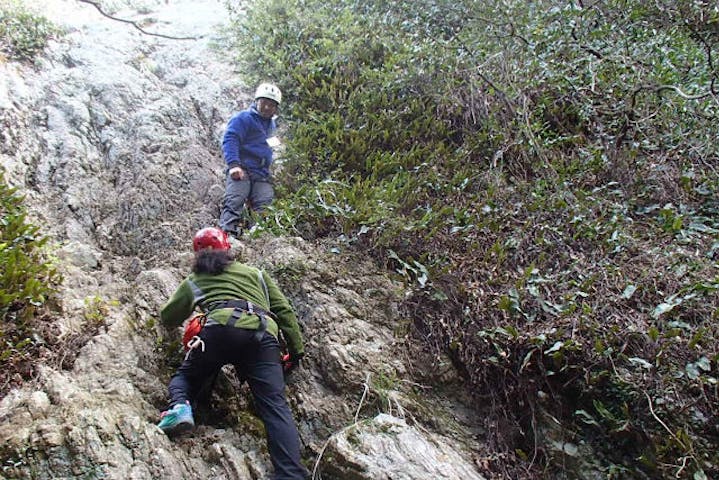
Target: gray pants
<point>258,191</point>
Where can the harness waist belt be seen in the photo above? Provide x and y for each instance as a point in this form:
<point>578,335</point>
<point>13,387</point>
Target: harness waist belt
<point>243,306</point>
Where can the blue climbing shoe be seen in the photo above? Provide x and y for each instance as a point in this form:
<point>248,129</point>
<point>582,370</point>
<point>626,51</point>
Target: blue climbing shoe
<point>177,420</point>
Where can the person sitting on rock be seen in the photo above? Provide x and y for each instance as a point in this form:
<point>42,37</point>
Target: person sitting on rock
<point>248,156</point>
<point>245,310</point>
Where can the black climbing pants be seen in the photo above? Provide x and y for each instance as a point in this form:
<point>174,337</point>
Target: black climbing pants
<point>259,364</point>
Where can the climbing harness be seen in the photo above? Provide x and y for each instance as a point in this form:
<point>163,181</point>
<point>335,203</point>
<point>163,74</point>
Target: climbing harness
<point>191,339</point>
<point>193,328</point>
<point>194,343</point>
<point>241,306</point>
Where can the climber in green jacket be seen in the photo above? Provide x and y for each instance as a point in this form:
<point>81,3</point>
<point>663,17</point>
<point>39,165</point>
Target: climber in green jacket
<point>245,310</point>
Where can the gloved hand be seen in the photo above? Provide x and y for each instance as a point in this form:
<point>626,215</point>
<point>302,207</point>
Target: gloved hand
<point>291,361</point>
<point>237,173</point>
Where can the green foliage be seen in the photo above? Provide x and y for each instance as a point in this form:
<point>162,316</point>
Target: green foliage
<point>382,385</point>
<point>28,280</point>
<point>97,310</point>
<point>23,34</point>
<point>28,276</point>
<point>543,174</point>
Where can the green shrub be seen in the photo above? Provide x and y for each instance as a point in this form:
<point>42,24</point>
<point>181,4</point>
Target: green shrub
<point>23,34</point>
<point>541,173</point>
<point>28,277</point>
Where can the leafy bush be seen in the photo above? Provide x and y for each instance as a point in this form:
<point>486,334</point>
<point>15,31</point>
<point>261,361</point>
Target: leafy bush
<point>23,34</point>
<point>544,174</point>
<point>28,276</point>
<point>27,281</point>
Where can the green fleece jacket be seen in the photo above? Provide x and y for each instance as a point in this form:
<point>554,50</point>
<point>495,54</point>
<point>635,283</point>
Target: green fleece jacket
<point>238,281</point>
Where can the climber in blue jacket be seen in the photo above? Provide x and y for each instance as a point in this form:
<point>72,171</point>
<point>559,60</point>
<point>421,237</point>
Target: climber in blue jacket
<point>248,156</point>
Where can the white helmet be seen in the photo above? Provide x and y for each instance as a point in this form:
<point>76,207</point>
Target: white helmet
<point>267,90</point>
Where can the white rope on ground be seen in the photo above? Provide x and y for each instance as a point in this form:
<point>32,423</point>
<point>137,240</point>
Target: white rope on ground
<point>327,442</point>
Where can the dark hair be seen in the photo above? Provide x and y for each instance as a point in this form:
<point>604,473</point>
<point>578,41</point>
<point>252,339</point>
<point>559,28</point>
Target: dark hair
<point>211,261</point>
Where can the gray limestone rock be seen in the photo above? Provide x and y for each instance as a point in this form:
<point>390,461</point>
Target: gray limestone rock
<point>114,138</point>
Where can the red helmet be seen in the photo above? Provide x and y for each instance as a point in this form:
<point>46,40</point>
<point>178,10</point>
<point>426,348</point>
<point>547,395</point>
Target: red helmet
<point>210,237</point>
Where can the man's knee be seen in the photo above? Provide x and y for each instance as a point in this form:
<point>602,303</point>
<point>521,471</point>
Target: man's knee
<point>262,195</point>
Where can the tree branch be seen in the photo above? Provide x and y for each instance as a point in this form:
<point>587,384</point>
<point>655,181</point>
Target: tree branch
<point>679,92</point>
<point>708,50</point>
<point>99,9</point>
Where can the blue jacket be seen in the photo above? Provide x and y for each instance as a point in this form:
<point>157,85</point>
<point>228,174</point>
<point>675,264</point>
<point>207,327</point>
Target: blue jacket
<point>245,142</point>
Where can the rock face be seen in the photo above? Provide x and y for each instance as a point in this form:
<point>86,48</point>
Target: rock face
<point>387,448</point>
<point>114,138</point>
